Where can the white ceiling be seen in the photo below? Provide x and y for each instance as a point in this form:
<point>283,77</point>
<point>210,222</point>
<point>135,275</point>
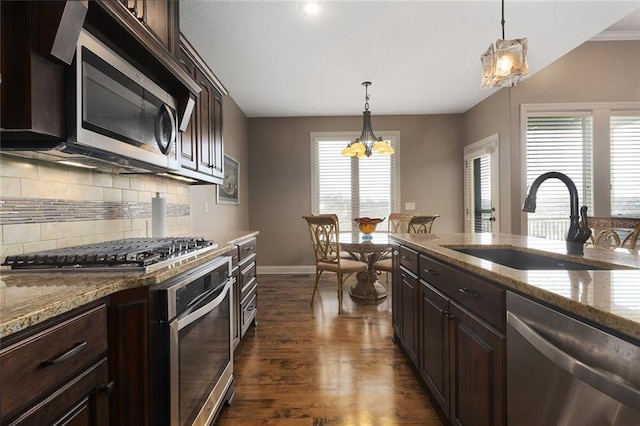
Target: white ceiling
<point>423,57</point>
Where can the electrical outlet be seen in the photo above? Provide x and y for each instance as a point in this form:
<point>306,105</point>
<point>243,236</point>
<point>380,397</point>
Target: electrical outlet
<point>409,206</point>
<point>206,207</point>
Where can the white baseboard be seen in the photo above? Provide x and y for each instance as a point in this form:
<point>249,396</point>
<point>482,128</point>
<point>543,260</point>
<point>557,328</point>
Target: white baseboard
<point>286,270</point>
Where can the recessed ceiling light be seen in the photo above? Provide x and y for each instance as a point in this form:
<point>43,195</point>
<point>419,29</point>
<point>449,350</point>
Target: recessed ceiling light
<point>311,8</point>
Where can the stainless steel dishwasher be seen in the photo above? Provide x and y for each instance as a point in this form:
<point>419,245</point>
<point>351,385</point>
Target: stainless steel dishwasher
<point>562,371</point>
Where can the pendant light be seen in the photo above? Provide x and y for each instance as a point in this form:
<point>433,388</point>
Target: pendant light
<point>367,143</point>
<point>506,63</point>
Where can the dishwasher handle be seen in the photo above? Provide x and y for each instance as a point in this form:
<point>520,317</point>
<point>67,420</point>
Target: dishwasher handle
<point>611,384</point>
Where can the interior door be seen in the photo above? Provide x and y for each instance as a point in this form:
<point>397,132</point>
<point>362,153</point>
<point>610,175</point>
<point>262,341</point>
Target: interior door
<point>481,186</point>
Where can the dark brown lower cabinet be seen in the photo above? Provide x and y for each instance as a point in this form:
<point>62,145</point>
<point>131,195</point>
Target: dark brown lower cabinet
<point>441,325</point>
<point>56,373</point>
<point>84,401</point>
<point>408,323</point>
<point>435,344</point>
<point>479,378</point>
<point>128,355</point>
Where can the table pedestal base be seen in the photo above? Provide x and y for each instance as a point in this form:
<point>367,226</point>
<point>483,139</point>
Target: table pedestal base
<point>367,289</point>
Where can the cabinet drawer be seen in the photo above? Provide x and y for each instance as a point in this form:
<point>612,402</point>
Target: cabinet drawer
<point>249,309</point>
<point>486,300</point>
<point>409,259</point>
<point>248,287</point>
<point>37,364</point>
<point>247,249</point>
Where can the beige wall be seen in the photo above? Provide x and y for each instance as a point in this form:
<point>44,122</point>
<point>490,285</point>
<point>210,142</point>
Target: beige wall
<point>220,218</point>
<point>280,176</point>
<point>593,72</point>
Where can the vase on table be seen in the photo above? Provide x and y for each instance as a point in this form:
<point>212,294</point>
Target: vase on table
<point>367,225</point>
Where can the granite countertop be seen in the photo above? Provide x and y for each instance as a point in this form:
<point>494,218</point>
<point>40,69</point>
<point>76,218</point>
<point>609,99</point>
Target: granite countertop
<point>28,298</point>
<point>610,298</point>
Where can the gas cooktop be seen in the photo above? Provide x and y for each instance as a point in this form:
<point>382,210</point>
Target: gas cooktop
<point>132,254</point>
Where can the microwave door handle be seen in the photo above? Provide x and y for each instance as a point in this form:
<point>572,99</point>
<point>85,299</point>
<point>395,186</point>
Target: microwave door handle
<point>604,381</point>
<point>200,312</point>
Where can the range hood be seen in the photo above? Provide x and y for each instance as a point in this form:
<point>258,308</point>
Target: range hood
<point>64,154</point>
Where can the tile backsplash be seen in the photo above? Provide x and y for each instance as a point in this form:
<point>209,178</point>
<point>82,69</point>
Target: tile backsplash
<point>45,206</point>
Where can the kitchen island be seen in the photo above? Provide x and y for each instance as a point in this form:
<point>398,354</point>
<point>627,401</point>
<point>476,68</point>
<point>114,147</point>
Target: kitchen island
<point>609,298</point>
<point>452,316</point>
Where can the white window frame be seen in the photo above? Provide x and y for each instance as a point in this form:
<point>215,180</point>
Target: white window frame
<point>390,135</point>
<point>600,113</point>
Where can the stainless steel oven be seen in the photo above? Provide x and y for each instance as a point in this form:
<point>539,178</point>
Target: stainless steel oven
<point>196,309</point>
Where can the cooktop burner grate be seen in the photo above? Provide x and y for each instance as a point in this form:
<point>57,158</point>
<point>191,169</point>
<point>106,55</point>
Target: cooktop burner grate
<point>132,253</point>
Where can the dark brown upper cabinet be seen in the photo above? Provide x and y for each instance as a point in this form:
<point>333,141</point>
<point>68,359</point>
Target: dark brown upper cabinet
<point>201,146</point>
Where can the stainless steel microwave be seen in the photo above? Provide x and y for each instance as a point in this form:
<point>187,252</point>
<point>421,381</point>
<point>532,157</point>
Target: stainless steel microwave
<point>117,113</point>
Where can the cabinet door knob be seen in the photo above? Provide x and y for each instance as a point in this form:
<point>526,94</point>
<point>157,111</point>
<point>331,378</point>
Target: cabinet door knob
<point>106,389</point>
<point>75,350</point>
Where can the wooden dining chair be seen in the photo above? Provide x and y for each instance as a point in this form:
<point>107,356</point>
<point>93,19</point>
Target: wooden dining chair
<point>398,224</point>
<point>324,231</point>
<point>416,224</point>
<point>422,224</point>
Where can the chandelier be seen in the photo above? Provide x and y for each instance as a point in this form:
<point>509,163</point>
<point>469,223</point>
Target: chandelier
<point>506,63</point>
<point>367,143</point>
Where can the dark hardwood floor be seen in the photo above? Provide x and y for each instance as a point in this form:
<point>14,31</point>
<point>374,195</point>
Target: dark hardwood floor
<point>307,365</point>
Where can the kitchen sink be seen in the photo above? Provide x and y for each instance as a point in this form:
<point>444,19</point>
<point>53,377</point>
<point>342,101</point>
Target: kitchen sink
<point>518,259</point>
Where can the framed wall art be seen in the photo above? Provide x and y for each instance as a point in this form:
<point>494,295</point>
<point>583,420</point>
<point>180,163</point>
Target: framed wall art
<point>227,193</point>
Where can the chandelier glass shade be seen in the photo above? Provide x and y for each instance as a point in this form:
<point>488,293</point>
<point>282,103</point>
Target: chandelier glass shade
<point>367,143</point>
<point>506,63</point>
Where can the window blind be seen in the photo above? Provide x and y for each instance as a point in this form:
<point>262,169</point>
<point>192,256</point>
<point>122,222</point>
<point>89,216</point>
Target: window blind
<point>351,187</point>
<point>625,160</point>
<point>561,143</point>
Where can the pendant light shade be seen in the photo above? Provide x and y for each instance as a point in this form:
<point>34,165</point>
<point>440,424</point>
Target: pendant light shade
<point>367,143</point>
<point>506,63</point>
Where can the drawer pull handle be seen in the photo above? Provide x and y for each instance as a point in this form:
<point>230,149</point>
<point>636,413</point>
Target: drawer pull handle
<point>470,293</point>
<point>431,271</point>
<point>407,258</point>
<point>75,350</point>
<point>249,248</point>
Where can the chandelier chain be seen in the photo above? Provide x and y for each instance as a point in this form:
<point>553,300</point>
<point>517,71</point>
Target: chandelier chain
<point>502,21</point>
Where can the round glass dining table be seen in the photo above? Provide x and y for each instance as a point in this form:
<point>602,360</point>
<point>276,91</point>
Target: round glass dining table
<point>367,289</point>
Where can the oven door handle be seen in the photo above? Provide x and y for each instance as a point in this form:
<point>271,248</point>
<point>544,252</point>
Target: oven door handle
<point>183,321</point>
<point>609,383</point>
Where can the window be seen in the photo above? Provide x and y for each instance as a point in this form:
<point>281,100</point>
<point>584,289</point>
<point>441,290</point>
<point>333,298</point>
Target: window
<point>561,144</point>
<point>351,187</point>
<point>625,158</point>
<point>600,142</point>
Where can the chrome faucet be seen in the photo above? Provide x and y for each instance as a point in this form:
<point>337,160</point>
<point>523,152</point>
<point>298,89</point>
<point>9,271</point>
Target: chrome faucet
<point>578,233</point>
